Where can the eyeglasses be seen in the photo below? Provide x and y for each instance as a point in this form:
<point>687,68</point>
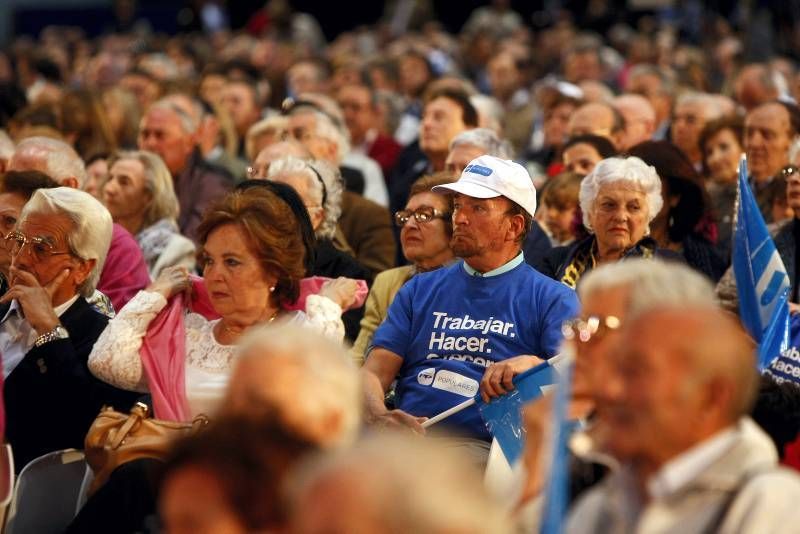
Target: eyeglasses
<point>593,326</point>
<point>39,246</point>
<point>421,215</point>
<point>254,172</point>
<point>791,172</point>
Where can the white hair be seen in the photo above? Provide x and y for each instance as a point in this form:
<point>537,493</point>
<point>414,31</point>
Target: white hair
<point>90,234</point>
<point>189,122</point>
<point>490,110</point>
<point>402,481</point>
<point>327,129</point>
<point>653,283</point>
<point>485,139</point>
<point>317,173</point>
<point>612,170</point>
<point>333,203</point>
<point>60,160</point>
<point>794,151</point>
<point>709,103</point>
<point>330,384</point>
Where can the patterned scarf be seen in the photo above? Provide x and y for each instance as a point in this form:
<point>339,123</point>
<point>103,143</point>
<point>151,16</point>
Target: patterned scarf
<point>585,258</point>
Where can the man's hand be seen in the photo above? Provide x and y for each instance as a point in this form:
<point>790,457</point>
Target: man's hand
<point>398,420</point>
<point>36,301</point>
<point>496,380</point>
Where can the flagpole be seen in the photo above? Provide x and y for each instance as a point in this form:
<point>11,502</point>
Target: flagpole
<point>447,413</point>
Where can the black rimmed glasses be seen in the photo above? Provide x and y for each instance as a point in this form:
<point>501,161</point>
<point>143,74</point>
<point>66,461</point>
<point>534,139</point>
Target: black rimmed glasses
<point>591,327</point>
<point>40,247</point>
<point>421,215</point>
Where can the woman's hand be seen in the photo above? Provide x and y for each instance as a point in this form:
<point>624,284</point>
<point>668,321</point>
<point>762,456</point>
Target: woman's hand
<point>171,281</point>
<point>341,290</point>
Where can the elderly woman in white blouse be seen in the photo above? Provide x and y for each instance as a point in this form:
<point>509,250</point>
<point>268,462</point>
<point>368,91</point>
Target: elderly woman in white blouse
<point>140,197</point>
<point>253,257</point>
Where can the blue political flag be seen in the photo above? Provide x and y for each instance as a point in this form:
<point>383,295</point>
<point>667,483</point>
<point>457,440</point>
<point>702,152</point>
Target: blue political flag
<point>503,415</point>
<point>556,492</point>
<point>761,279</point>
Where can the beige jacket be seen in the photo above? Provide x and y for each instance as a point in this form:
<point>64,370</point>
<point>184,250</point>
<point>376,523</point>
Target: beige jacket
<point>381,295</point>
<point>766,497</point>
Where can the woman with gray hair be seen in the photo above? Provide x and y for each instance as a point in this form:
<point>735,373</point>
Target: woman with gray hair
<point>619,199</point>
<point>320,187</point>
<point>140,197</point>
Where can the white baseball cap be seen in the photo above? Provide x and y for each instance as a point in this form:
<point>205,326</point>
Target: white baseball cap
<point>491,177</point>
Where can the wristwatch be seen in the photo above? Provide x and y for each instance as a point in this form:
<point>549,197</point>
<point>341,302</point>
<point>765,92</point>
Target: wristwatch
<point>59,332</point>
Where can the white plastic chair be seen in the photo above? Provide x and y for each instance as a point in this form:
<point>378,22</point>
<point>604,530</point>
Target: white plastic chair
<point>47,493</point>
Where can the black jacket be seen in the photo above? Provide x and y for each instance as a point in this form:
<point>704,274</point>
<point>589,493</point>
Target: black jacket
<point>332,263</point>
<point>51,397</point>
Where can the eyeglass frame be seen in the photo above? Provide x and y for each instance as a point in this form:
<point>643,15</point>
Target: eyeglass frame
<point>790,170</point>
<point>18,236</point>
<point>417,213</point>
<point>584,330</point>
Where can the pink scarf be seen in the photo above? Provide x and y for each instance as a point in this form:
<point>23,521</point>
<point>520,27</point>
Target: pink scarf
<point>163,351</point>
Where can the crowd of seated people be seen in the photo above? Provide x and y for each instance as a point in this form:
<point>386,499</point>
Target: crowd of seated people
<point>318,247</point>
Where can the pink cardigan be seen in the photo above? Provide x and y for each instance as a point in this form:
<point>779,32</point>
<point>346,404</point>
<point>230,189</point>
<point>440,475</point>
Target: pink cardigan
<point>163,351</point>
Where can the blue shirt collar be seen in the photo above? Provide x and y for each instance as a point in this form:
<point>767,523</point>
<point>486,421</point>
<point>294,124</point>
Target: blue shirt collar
<point>518,259</point>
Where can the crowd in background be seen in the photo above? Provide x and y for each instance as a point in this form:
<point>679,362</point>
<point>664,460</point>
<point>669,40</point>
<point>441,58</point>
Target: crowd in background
<point>280,231</point>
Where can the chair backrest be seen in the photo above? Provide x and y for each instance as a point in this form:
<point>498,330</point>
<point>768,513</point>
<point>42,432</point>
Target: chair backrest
<point>47,492</point>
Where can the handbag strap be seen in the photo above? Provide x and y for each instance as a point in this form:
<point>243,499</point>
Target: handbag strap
<point>138,412</point>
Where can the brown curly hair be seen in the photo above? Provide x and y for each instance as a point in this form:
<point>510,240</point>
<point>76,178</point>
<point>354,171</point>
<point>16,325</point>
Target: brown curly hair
<point>272,231</point>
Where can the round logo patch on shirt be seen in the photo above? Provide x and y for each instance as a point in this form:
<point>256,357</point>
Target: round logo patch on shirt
<point>425,377</point>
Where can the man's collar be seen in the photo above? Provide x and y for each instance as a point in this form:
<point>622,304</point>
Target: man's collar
<point>686,467</point>
<point>515,262</point>
<point>59,310</point>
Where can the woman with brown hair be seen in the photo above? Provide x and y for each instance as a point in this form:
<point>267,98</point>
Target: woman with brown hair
<point>253,257</point>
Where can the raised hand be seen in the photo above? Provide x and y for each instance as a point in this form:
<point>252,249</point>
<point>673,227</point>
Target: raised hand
<point>36,300</point>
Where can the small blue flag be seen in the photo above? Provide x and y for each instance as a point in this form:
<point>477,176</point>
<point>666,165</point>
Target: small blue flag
<point>761,279</point>
<point>556,492</point>
<point>503,414</point>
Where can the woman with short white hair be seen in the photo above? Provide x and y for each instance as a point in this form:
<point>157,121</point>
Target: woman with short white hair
<point>619,199</point>
<point>139,195</point>
<point>320,186</point>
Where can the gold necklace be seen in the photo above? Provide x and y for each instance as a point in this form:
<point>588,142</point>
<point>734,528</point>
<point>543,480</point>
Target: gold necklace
<point>230,330</point>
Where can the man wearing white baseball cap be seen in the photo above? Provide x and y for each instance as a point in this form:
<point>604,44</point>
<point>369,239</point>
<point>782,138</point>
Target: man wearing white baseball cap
<point>470,327</point>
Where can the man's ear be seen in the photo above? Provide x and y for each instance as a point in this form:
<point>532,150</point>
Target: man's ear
<point>70,182</point>
<point>517,227</point>
<point>83,270</point>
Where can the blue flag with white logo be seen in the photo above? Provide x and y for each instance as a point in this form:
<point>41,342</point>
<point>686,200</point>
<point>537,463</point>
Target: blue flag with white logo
<point>761,279</point>
<point>503,414</point>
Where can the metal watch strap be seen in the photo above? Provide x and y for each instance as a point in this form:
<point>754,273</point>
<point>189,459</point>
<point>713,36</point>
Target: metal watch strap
<point>59,332</point>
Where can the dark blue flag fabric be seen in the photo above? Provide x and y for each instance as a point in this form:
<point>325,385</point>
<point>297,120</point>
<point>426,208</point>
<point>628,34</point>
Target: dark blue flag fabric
<point>761,279</point>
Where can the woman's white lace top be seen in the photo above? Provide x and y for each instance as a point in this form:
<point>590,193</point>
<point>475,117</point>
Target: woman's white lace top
<point>115,357</point>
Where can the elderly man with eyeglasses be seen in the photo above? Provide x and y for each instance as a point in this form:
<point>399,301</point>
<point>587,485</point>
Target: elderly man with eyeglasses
<point>470,327</point>
<point>57,252</point>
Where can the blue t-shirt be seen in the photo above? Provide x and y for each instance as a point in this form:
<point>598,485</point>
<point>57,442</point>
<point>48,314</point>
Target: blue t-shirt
<point>449,326</point>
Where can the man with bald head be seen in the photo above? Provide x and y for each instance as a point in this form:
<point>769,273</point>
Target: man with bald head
<point>598,118</point>
<point>672,410</point>
<point>52,157</point>
<point>640,119</point>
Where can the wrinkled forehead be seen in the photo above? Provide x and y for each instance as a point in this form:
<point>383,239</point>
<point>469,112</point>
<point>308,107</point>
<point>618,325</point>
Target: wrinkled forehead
<point>52,228</point>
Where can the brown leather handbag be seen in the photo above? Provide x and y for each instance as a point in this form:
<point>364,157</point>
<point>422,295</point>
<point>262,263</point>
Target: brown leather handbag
<point>116,438</point>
